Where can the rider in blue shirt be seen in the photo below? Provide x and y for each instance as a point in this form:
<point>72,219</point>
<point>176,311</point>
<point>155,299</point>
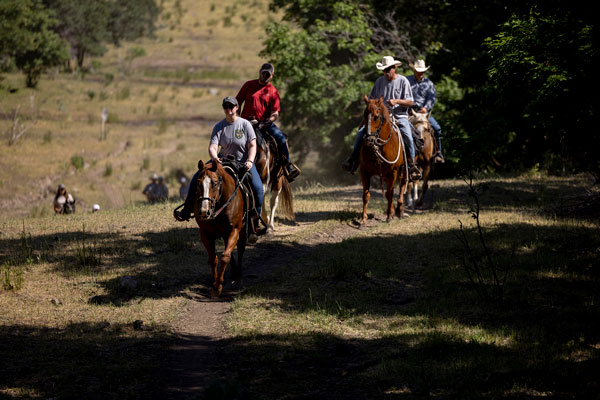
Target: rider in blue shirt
<point>424,98</point>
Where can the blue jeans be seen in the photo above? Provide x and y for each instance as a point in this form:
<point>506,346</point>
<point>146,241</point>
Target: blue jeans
<point>274,131</point>
<point>438,131</point>
<point>404,126</point>
<point>257,188</point>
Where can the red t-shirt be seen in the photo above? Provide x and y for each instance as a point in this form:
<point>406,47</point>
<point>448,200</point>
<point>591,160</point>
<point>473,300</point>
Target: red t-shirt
<point>260,101</point>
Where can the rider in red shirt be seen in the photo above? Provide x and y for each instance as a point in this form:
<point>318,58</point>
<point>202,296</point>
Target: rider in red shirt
<point>261,102</point>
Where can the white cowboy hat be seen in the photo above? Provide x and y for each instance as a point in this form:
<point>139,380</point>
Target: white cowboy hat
<point>387,62</point>
<point>419,66</point>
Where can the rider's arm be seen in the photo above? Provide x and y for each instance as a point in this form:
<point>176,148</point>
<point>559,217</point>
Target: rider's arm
<point>213,152</point>
<point>251,153</point>
<point>401,102</point>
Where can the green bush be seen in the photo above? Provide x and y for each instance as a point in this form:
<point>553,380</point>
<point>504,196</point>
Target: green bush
<point>77,162</point>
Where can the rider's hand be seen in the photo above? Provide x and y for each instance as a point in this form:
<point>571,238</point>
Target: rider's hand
<point>248,164</point>
<point>216,160</point>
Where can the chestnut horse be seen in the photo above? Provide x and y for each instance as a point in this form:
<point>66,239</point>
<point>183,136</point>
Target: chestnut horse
<point>424,158</point>
<point>219,212</point>
<point>271,173</point>
<point>382,154</point>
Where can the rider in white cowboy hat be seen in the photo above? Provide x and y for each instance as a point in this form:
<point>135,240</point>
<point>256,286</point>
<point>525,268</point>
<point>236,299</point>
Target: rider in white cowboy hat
<point>397,95</point>
<point>424,96</point>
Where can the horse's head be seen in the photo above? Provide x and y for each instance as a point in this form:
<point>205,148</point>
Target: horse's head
<point>420,121</point>
<point>210,188</point>
<point>376,115</point>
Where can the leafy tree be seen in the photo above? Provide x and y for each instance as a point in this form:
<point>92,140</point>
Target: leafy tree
<point>323,69</point>
<point>83,25</point>
<point>26,36</point>
<point>89,25</point>
<point>543,69</point>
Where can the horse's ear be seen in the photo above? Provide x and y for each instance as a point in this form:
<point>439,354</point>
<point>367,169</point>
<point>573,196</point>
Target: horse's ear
<point>429,114</point>
<point>381,100</point>
<point>366,99</point>
<point>200,165</point>
<point>411,112</point>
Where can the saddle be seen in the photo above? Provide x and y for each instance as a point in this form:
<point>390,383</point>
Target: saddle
<point>238,171</point>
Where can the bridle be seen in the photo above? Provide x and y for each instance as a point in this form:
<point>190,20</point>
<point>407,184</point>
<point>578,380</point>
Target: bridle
<point>376,142</point>
<point>212,214</point>
<point>212,202</point>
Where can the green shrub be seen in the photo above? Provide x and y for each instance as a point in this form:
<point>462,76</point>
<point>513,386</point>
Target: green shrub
<point>124,93</point>
<point>91,94</point>
<point>77,162</point>
<point>108,170</point>
<point>47,137</point>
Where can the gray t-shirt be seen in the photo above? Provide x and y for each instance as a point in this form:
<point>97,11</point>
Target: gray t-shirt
<point>399,88</point>
<point>233,137</point>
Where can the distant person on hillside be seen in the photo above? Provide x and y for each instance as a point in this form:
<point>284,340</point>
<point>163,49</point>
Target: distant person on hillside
<point>183,189</point>
<point>261,104</point>
<point>64,203</point>
<point>150,189</point>
<point>162,191</point>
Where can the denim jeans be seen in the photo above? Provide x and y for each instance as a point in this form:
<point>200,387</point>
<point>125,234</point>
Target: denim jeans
<point>438,131</point>
<point>404,126</point>
<point>257,188</point>
<point>274,131</point>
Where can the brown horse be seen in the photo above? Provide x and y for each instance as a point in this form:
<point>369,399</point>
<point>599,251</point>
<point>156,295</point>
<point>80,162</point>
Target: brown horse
<point>382,154</point>
<point>219,212</point>
<point>424,158</point>
<point>271,173</point>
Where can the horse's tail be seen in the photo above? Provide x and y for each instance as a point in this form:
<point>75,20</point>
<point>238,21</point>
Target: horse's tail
<point>286,201</point>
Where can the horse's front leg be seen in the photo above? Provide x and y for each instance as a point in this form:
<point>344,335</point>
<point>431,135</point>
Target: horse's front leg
<point>225,259</point>
<point>389,195</point>
<point>366,183</point>
<point>403,183</point>
<point>237,268</point>
<point>274,204</point>
<point>209,244</point>
<point>425,179</point>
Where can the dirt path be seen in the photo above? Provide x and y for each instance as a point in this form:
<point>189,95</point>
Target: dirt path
<point>201,330</point>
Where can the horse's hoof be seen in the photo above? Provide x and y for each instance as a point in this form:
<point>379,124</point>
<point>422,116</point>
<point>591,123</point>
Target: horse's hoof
<point>214,293</point>
<point>270,231</point>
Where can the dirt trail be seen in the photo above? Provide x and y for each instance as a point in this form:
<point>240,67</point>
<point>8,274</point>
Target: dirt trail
<point>201,329</point>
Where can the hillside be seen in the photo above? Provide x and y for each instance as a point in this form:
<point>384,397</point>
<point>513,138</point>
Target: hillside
<point>161,109</point>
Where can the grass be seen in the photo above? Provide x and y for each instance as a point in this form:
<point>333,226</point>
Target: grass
<point>364,313</point>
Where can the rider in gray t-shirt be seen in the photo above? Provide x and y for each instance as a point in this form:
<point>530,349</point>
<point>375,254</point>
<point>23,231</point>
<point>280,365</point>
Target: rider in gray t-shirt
<point>397,96</point>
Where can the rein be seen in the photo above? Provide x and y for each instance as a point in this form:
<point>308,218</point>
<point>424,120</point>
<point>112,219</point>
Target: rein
<point>229,200</point>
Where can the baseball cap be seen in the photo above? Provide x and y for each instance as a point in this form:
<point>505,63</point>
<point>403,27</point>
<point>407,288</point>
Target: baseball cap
<point>230,100</point>
<point>267,67</point>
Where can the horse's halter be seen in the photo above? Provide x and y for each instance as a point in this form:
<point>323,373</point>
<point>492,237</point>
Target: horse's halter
<point>381,120</point>
<point>374,137</point>
<point>212,202</point>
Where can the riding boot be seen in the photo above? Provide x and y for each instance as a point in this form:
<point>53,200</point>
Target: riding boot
<point>188,207</point>
<point>184,214</point>
<point>439,158</point>
<point>351,164</point>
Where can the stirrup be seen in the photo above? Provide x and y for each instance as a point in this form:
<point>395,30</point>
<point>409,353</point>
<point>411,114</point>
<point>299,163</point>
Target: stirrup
<point>439,158</point>
<point>291,174</point>
<point>180,216</point>
<point>414,174</point>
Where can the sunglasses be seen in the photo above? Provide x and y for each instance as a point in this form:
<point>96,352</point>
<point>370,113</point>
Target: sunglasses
<point>228,106</point>
<point>388,69</point>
